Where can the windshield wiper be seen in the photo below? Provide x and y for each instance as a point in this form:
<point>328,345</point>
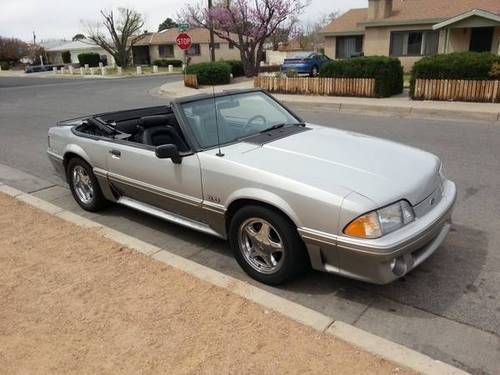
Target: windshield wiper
<point>278,126</point>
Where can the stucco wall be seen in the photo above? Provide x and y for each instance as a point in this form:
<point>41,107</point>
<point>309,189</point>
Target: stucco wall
<point>224,52</point>
<point>55,57</point>
<point>331,46</point>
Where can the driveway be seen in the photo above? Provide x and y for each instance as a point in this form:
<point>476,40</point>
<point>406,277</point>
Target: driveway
<point>448,308</point>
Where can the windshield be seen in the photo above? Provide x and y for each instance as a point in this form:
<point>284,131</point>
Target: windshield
<point>238,116</point>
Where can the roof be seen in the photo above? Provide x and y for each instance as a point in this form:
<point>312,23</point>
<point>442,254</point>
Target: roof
<point>68,46</point>
<point>348,22</point>
<point>409,11</point>
<point>475,12</point>
<point>168,36</point>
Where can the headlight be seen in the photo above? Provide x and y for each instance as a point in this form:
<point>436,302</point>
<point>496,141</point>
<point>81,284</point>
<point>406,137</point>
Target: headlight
<point>380,222</point>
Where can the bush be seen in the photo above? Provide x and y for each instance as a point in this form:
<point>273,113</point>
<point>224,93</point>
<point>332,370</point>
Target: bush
<point>495,71</point>
<point>236,66</point>
<point>217,73</point>
<point>66,57</point>
<point>91,58</point>
<point>4,65</point>
<point>164,63</point>
<point>458,65</point>
<point>387,71</point>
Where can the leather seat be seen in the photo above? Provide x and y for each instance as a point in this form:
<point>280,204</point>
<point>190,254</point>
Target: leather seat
<point>162,135</point>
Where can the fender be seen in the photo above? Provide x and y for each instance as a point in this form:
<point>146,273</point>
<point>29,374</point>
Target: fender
<point>267,197</point>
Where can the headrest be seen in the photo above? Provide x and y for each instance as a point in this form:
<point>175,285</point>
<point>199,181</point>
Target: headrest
<point>150,121</point>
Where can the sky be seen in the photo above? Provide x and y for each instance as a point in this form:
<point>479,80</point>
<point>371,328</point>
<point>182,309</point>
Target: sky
<point>61,19</point>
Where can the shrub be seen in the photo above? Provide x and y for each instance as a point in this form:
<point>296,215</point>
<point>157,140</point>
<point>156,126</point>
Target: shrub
<point>458,65</point>
<point>387,71</point>
<point>495,71</point>
<point>217,73</point>
<point>4,65</point>
<point>66,57</point>
<point>90,58</point>
<point>165,63</point>
<point>236,66</point>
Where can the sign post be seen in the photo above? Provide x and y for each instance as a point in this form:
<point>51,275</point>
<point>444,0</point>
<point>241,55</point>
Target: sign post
<point>183,41</point>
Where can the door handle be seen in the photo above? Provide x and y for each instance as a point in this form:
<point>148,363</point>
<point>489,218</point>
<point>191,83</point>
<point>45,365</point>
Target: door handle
<point>115,153</point>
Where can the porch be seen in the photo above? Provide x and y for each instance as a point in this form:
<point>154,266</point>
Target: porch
<point>476,30</point>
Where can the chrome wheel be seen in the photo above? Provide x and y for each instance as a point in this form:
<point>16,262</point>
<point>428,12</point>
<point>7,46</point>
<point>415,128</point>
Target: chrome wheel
<point>261,245</point>
<point>82,184</point>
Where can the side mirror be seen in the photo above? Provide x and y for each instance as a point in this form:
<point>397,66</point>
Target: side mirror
<point>168,151</point>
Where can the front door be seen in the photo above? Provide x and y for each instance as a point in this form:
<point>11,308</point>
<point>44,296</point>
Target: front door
<point>135,172</point>
<point>481,39</point>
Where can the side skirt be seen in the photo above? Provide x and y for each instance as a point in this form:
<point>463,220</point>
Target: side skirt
<point>169,216</point>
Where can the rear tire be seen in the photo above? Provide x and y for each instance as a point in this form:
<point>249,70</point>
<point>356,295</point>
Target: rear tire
<point>266,245</point>
<point>84,186</point>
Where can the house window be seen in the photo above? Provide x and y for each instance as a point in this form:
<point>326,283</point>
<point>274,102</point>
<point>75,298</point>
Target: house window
<point>348,46</point>
<point>166,50</point>
<point>194,50</point>
<point>231,45</point>
<point>414,43</point>
<point>216,45</point>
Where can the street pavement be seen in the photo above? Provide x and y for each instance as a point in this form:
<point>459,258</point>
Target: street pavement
<point>448,308</point>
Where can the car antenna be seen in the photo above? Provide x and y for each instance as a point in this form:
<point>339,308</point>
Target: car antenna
<point>219,153</point>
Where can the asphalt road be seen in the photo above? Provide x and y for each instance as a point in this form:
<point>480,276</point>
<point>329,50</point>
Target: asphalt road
<point>449,307</point>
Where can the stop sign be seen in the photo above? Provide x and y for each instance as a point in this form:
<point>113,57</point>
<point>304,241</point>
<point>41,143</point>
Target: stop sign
<point>183,41</point>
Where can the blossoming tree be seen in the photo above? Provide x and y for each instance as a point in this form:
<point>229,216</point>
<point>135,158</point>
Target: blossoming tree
<point>247,24</point>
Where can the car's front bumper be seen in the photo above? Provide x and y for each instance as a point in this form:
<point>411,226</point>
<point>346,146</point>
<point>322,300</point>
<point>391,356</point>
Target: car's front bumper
<point>387,258</point>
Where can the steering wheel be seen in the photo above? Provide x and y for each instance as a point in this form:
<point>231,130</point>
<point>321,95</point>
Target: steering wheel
<point>253,118</point>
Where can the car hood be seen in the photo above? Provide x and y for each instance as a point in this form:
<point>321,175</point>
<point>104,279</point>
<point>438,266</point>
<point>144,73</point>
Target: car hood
<point>325,158</point>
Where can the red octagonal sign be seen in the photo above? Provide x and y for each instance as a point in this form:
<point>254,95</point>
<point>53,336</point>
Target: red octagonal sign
<point>183,41</point>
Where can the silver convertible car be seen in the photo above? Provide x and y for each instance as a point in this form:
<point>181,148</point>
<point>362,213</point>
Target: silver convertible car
<point>288,195</point>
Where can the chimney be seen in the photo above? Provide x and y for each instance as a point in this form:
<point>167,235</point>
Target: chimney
<point>379,9</point>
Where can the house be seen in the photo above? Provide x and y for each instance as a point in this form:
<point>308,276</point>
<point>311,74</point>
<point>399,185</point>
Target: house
<point>410,29</point>
<point>54,52</point>
<point>162,45</point>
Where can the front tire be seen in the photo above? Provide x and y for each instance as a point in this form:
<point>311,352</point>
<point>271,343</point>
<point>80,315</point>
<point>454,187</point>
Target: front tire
<point>84,186</point>
<point>266,245</point>
<point>314,71</point>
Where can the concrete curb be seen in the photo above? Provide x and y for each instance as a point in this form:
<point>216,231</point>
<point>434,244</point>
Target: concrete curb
<point>384,348</point>
<point>412,108</point>
<point>397,111</point>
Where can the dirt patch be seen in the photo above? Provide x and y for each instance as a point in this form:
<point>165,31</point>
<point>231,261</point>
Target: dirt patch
<point>75,302</point>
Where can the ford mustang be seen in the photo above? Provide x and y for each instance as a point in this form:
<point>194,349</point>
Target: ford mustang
<point>288,195</point>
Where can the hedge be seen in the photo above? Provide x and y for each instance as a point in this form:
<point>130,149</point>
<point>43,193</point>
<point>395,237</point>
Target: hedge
<point>387,71</point>
<point>237,68</point>
<point>90,58</point>
<point>4,65</point>
<point>217,73</point>
<point>165,63</point>
<point>458,65</point>
<point>66,57</point>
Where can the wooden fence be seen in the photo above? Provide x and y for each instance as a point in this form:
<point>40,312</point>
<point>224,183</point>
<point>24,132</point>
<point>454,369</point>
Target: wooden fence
<point>458,90</point>
<point>364,87</point>
<point>191,80</point>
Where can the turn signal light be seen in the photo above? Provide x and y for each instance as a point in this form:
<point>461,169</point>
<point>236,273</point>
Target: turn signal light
<point>366,226</point>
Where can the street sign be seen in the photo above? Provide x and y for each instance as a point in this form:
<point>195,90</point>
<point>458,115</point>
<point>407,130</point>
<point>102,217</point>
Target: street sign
<point>183,41</point>
<point>183,27</point>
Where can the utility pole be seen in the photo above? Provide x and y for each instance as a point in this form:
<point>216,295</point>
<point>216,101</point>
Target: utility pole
<point>211,27</point>
<point>34,38</point>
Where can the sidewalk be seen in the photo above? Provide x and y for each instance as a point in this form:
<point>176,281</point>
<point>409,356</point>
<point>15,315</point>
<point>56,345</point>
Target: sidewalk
<point>74,301</point>
<point>401,105</point>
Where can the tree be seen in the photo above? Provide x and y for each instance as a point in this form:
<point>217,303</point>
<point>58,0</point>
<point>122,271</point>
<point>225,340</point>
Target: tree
<point>311,38</point>
<point>169,23</point>
<point>12,49</point>
<point>78,37</point>
<point>247,24</point>
<point>121,34</point>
